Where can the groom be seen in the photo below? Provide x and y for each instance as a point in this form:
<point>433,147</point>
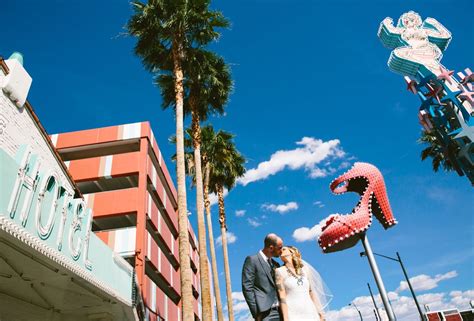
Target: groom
<point>258,280</point>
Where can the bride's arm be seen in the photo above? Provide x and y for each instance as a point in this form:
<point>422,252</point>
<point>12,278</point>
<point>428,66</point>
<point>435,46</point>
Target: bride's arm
<point>319,293</point>
<point>317,304</point>
<point>281,294</point>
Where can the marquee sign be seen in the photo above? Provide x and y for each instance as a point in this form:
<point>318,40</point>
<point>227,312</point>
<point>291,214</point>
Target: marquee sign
<point>37,200</point>
<point>43,214</point>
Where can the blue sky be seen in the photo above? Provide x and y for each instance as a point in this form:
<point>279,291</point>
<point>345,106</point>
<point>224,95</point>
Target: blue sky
<point>305,71</point>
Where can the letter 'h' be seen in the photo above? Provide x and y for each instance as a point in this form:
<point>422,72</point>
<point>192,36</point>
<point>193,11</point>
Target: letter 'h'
<point>24,180</point>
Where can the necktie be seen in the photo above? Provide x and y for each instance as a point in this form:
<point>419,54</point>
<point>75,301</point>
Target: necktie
<point>271,268</point>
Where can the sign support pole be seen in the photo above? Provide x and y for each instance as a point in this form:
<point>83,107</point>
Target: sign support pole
<point>378,278</point>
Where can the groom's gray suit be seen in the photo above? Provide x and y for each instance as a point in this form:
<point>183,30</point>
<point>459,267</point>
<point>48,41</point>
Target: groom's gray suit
<point>258,287</point>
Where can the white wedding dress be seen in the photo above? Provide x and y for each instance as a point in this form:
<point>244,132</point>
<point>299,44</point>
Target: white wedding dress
<point>298,300</point>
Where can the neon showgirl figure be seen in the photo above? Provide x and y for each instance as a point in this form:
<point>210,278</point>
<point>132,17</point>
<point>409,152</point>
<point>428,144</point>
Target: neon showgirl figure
<point>415,43</point>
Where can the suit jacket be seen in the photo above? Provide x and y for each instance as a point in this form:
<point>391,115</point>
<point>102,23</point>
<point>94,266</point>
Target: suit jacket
<point>258,285</point>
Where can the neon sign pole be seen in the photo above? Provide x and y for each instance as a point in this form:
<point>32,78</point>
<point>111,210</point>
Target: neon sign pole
<point>378,278</point>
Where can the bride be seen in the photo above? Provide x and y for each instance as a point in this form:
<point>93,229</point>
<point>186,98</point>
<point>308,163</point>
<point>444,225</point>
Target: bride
<point>303,295</point>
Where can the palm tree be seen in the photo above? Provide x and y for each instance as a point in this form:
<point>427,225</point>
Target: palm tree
<point>435,151</point>
<point>216,149</point>
<point>224,169</point>
<point>211,143</point>
<point>211,89</point>
<point>208,86</point>
<point>166,30</point>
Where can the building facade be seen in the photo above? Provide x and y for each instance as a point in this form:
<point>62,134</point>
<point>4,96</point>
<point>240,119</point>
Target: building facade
<point>52,267</point>
<point>88,219</point>
<point>125,181</point>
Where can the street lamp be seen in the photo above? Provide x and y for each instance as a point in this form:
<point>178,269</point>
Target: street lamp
<point>376,315</point>
<point>399,260</point>
<point>376,310</point>
<point>355,306</point>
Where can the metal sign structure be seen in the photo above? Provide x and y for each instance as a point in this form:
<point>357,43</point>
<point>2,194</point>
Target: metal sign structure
<point>447,99</point>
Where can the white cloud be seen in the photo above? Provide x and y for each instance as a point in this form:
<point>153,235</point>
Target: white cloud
<point>424,282</point>
<point>320,172</point>
<point>241,309</point>
<point>238,296</point>
<point>231,238</point>
<point>253,222</point>
<point>404,306</point>
<point>461,298</point>
<point>283,188</point>
<point>304,234</point>
<point>344,164</point>
<point>281,208</point>
<point>213,199</point>
<point>311,153</point>
<point>319,204</point>
<point>240,213</point>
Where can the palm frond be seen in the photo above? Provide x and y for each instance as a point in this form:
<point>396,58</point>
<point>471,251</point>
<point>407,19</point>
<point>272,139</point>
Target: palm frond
<point>435,151</point>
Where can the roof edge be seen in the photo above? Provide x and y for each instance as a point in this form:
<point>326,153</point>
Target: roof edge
<point>45,135</point>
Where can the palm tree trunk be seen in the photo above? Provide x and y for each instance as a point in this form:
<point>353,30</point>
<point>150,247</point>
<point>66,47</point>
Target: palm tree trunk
<point>203,263</point>
<point>183,238</point>
<point>215,277</point>
<point>220,194</point>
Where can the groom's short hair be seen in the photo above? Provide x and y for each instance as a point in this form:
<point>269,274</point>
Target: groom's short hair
<point>271,239</point>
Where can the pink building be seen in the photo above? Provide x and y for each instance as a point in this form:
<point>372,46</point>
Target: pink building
<point>124,178</point>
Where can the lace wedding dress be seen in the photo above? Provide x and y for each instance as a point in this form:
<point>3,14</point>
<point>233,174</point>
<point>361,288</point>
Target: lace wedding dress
<point>298,299</point>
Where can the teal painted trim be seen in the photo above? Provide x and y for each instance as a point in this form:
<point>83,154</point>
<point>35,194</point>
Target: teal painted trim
<point>17,56</point>
<point>102,267</point>
<point>403,66</point>
<point>390,40</point>
<point>441,43</point>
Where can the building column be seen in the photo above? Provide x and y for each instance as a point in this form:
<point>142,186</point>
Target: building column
<point>141,217</point>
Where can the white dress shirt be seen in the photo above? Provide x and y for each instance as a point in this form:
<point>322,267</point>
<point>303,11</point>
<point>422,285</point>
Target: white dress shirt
<point>265,257</point>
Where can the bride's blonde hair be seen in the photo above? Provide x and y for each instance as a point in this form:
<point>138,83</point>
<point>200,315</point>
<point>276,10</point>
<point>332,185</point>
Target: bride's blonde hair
<point>296,258</point>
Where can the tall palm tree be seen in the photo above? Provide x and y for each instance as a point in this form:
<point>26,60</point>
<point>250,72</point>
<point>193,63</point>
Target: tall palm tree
<point>208,86</point>
<point>217,149</point>
<point>212,143</point>
<point>166,30</point>
<point>435,151</point>
<point>224,171</point>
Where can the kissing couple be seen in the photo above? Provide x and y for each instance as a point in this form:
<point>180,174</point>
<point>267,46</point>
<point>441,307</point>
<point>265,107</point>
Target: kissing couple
<point>291,292</point>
